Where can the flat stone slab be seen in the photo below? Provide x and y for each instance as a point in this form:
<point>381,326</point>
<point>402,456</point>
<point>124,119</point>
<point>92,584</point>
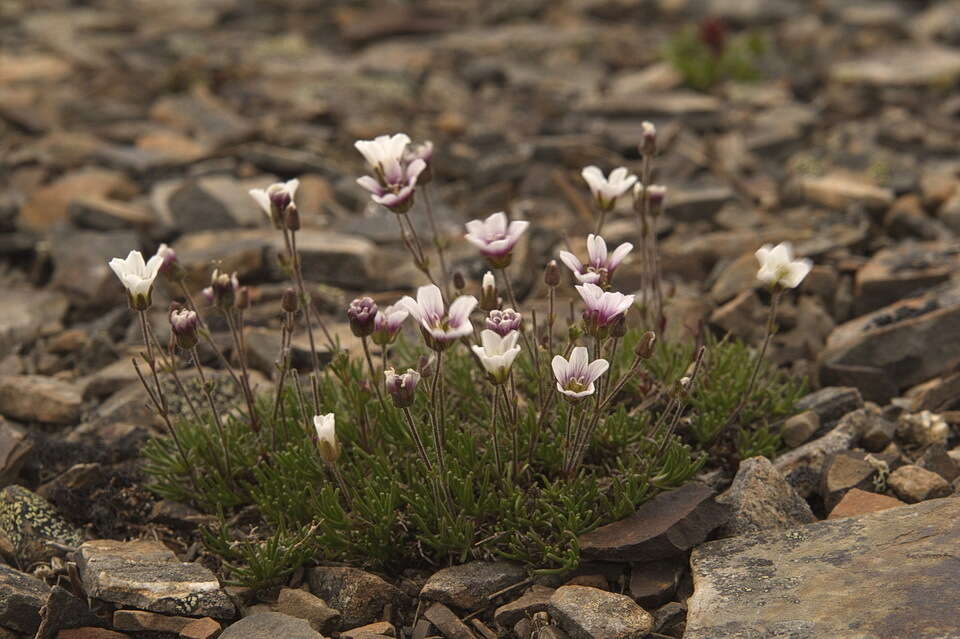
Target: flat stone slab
<point>877,576</point>
<point>147,575</point>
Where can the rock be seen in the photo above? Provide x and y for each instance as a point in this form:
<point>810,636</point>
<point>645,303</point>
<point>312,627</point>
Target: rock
<point>742,317</point>
<point>533,601</point>
<point>938,394</point>
<point>448,623</point>
<point>889,349</point>
<point>303,605</point>
<point>842,471</point>
<point>697,203</point>
<point>860,502</point>
<point>90,633</point>
<point>76,478</point>
<point>29,523</point>
<point>801,467</point>
<point>214,202</point>
<point>21,597</point>
<point>697,109</point>
<point>761,499</point>
<point>589,613</point>
<point>359,595</point>
<point>904,271</point>
<point>839,192</point>
<point>469,586</point>
<point>799,428</point>
<point>907,66</point>
<point>936,459</point>
<point>923,428</point>
<point>35,398</point>
<point>785,583</point>
<point>201,115</point>
<point>25,313</point>
<point>654,582</point>
<point>205,628</point>
<point>878,434</point>
<point>48,205</point>
<point>370,631</point>
<point>102,214</point>
<point>62,611</point>
<point>735,277</point>
<point>270,625</point>
<point>912,484</point>
<point>147,575</point>
<point>666,526</point>
<point>339,260</point>
<point>671,618</point>
<point>831,403</point>
<point>80,267</point>
<point>143,621</point>
<point>14,449</point>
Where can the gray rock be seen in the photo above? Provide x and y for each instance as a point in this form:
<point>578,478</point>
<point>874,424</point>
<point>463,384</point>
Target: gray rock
<point>270,625</point>
<point>214,202</point>
<point>697,203</point>
<point>839,192</point>
<point>670,617</point>
<point>761,499</point>
<point>447,622</point>
<point>21,597</point>
<point>908,66</point>
<point>591,613</point>
<point>36,398</point>
<point>303,605</point>
<point>802,466</point>
<point>63,611</point>
<point>359,595</point>
<point>80,265</point>
<point>912,483</point>
<point>799,428</point>
<point>469,586</point>
<point>201,115</point>
<point>148,576</point>
<point>25,313</point>
<point>102,214</point>
<point>903,271</point>
<point>878,434</point>
<point>788,584</point>
<point>533,601</point>
<point>28,522</point>
<point>936,459</point>
<point>831,403</point>
<point>666,526</point>
<point>14,450</point>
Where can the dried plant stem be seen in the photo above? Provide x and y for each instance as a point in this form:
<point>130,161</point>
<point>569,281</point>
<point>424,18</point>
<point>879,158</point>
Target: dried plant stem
<point>214,412</point>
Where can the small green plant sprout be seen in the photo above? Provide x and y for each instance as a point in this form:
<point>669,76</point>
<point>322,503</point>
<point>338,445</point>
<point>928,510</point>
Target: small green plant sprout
<point>707,54</point>
<point>481,431</point>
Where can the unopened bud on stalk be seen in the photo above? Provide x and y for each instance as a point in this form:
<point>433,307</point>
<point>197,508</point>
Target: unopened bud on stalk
<point>289,302</point>
<point>425,366</point>
<point>551,275</point>
<point>291,217</point>
<point>574,332</point>
<point>644,348</point>
<point>657,194</point>
<point>402,388</point>
<point>184,323</point>
<point>458,282</point>
<point>619,327</point>
<point>223,289</point>
<point>243,298</point>
<point>361,313</point>
<point>488,292</point>
<point>327,437</point>
<point>648,145</point>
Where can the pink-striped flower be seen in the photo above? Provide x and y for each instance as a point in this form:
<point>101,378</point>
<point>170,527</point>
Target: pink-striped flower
<point>439,326</point>
<point>576,376</point>
<point>387,324</point>
<point>600,265</point>
<point>495,238</point>
<point>395,173</point>
<point>602,307</point>
<point>606,191</point>
<point>275,199</point>
<point>503,322</point>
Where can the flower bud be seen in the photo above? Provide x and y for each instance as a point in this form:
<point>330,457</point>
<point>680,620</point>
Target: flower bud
<point>551,275</point>
<point>402,388</point>
<point>326,437</point>
<point>289,302</point>
<point>574,332</point>
<point>291,217</point>
<point>361,313</point>
<point>619,327</point>
<point>425,366</point>
<point>503,322</point>
<point>648,145</point>
<point>644,348</point>
<point>185,324</point>
<point>243,298</point>
<point>170,266</point>
<point>458,282</point>
<point>657,194</point>
<point>223,289</point>
<point>488,293</point>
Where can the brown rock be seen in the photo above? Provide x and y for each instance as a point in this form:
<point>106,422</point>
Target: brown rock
<point>761,499</point>
<point>743,317</point>
<point>534,600</point>
<point>90,633</point>
<point>913,484</point>
<point>143,621</point>
<point>841,472</point>
<point>860,502</point>
<point>799,428</point>
<point>303,605</point>
<point>370,631</point>
<point>359,595</point>
<point>34,398</point>
<point>666,526</point>
<point>589,613</point>
<point>205,628</point>
<point>909,269</point>
<point>469,586</point>
<point>48,205</point>
<point>839,191</point>
<point>449,624</point>
<point>936,459</point>
<point>654,582</point>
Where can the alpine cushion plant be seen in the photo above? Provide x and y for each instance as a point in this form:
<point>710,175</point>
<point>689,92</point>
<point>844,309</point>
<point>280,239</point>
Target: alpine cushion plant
<point>484,436</point>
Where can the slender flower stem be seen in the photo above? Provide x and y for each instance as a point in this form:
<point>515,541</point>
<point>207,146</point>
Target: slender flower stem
<point>244,373</point>
<point>376,384</point>
<point>437,241</point>
<point>600,220</point>
<point>435,402</point>
<point>415,435</point>
<point>335,470</point>
<point>307,305</point>
<point>567,434</point>
<point>286,338</point>
<point>213,411</point>
<point>205,332</point>
<point>493,429</point>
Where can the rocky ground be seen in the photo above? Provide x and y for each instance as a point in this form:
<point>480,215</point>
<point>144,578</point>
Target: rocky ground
<point>127,124</point>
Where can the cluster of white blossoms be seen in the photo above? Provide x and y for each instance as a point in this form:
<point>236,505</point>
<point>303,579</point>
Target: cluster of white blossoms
<point>396,169</point>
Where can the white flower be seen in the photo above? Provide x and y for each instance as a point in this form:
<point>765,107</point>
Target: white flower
<point>600,266</point>
<point>440,327</point>
<point>384,154</point>
<point>575,377</point>
<point>387,324</point>
<point>603,307</point>
<point>137,277</point>
<point>606,191</point>
<point>275,199</point>
<point>778,268</point>
<point>495,238</point>
<point>497,353</point>
<point>327,437</point>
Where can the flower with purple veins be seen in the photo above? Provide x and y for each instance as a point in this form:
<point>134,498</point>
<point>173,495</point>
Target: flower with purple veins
<point>502,322</point>
<point>607,190</point>
<point>576,376</point>
<point>600,266</point>
<point>401,388</point>
<point>395,176</point>
<point>362,313</point>
<point>602,307</point>
<point>495,237</point>
<point>387,324</point>
<point>275,199</point>
<point>440,327</point>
